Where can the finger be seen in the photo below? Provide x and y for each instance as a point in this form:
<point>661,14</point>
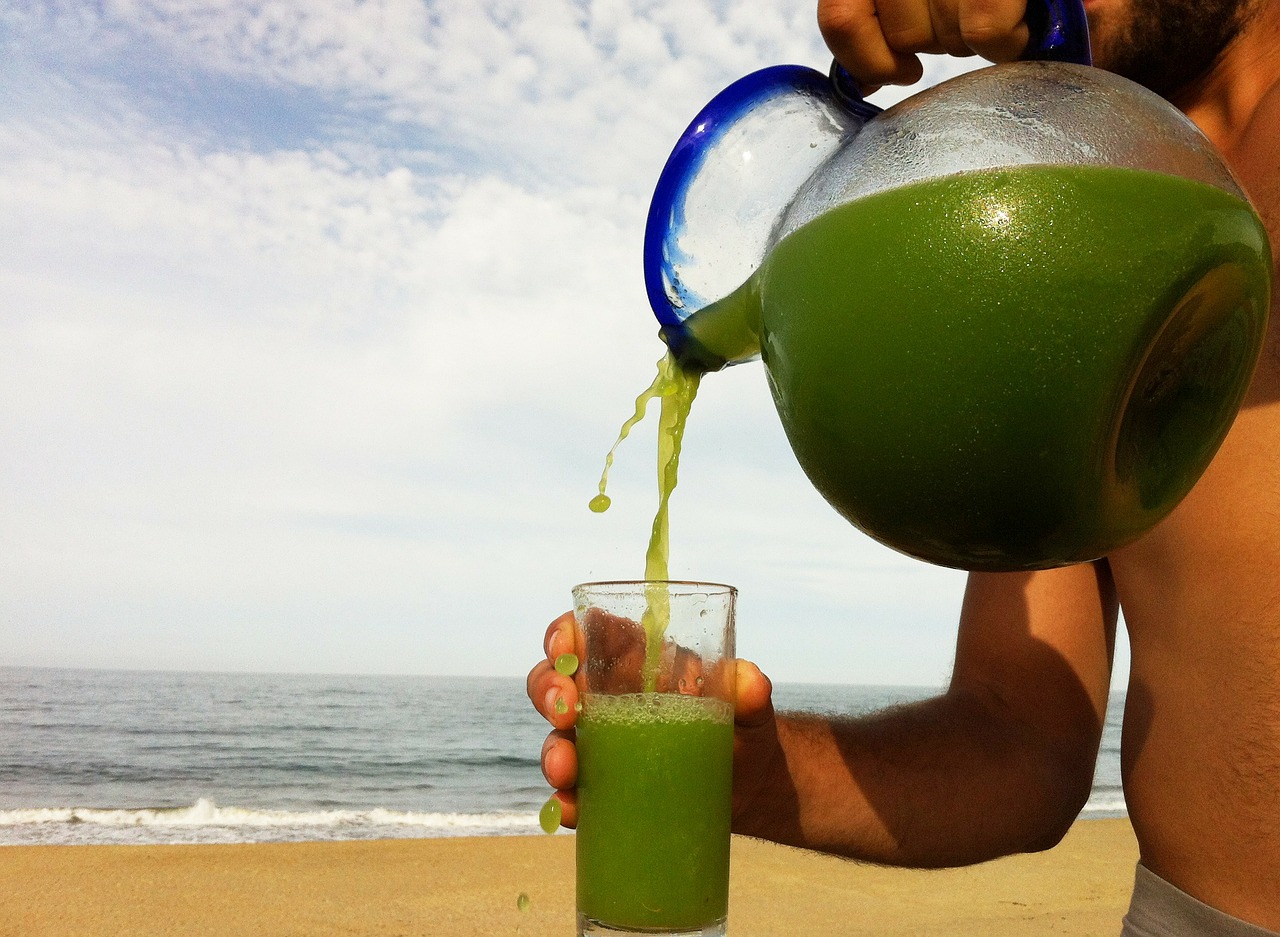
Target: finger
<point>945,16</point>
<point>618,647</point>
<point>753,701</point>
<point>755,736</point>
<point>680,671</point>
<point>568,809</point>
<point>560,760</point>
<point>560,702</point>
<point>852,31</point>
<point>554,695</point>
<point>995,29</point>
<point>560,638</point>
<point>907,25</point>
<point>534,684</point>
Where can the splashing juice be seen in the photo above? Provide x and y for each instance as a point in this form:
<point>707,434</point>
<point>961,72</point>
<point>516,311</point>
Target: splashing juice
<point>675,388</point>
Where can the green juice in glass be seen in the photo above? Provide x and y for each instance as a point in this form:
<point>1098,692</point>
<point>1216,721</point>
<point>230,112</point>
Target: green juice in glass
<point>654,780</point>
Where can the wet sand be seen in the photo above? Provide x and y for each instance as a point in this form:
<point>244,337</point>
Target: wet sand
<point>465,887</point>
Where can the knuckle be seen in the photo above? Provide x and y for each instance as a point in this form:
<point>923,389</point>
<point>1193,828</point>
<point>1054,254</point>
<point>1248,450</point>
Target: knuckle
<point>981,32</point>
<point>908,38</point>
<point>910,29</point>
<point>990,27</point>
<point>837,18</point>
<point>855,36</point>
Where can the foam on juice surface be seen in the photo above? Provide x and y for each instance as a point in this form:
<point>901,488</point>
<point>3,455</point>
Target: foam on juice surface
<point>666,708</point>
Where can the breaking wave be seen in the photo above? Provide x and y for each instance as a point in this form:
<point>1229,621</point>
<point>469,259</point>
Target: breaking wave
<point>206,821</point>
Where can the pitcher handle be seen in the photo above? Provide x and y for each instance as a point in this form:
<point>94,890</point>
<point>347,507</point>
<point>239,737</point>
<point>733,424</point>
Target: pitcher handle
<point>1059,32</point>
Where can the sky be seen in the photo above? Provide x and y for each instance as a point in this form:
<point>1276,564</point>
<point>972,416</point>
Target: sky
<point>317,320</point>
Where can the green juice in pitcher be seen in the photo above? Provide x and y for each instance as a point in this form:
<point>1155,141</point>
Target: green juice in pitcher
<point>1007,368</point>
<point>654,798</point>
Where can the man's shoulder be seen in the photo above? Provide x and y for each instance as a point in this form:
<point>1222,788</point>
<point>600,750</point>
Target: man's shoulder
<point>1254,155</point>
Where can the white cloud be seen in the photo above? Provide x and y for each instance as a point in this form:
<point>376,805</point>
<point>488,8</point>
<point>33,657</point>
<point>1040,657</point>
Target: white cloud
<point>292,405</point>
<point>593,91</point>
<point>264,379</point>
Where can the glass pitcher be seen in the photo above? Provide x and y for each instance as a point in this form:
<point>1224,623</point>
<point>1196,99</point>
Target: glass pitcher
<point>1006,322</point>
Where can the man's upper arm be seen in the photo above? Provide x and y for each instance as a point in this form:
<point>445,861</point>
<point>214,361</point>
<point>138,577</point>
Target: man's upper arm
<point>1036,648</point>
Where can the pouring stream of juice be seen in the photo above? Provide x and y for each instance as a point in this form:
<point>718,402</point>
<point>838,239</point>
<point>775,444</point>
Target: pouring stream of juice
<point>675,388</point>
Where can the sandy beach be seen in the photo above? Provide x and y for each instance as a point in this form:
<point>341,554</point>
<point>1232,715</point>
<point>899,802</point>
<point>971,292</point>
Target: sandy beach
<point>464,887</point>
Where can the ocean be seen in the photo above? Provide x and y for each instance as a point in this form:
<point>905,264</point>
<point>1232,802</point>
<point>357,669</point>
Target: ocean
<point>97,756</point>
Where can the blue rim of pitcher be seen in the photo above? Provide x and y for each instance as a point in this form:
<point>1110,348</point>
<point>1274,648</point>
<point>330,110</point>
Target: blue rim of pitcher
<point>666,220</point>
<point>1059,33</point>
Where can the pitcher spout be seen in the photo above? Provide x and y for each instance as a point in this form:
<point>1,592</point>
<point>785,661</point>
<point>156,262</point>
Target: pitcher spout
<point>720,334</point>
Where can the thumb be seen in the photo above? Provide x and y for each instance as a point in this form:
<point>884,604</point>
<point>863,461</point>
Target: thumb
<point>753,704</point>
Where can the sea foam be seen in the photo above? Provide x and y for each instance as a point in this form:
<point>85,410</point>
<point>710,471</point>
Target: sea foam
<point>206,821</point>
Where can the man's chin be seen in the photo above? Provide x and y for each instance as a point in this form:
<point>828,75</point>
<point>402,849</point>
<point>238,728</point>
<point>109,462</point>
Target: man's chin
<point>1165,45</point>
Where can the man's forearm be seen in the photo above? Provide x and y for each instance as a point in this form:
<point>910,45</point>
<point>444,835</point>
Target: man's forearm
<point>943,782</point>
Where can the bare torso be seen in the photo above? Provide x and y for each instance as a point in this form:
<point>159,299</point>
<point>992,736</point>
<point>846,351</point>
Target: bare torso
<point>1201,599</point>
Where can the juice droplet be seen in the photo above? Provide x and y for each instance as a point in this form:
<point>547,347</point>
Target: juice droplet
<point>567,664</point>
<point>561,706</point>
<point>601,502</point>
<point>522,903</point>
<point>549,815</point>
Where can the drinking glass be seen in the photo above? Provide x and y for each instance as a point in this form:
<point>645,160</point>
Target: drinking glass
<point>655,757</point>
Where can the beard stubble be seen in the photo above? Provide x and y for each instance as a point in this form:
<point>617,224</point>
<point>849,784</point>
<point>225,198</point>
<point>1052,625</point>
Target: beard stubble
<point>1166,45</point>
